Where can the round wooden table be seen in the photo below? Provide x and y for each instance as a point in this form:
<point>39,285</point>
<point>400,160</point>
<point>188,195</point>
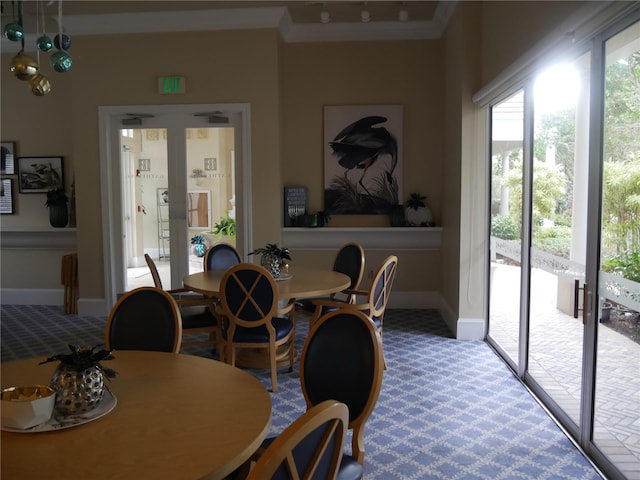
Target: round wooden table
<point>304,282</point>
<point>177,417</point>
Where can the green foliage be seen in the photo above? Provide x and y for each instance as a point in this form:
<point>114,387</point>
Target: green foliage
<point>273,249</point>
<point>225,226</point>
<point>549,184</point>
<point>504,227</point>
<point>621,207</point>
<point>416,201</point>
<point>555,240</point>
<point>626,264</point>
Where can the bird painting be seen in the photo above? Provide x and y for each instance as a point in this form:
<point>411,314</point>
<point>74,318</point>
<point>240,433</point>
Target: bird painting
<point>368,154</point>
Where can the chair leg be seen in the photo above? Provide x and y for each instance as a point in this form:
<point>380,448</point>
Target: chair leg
<point>274,369</point>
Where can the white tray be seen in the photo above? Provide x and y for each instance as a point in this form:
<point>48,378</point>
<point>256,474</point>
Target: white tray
<point>107,404</point>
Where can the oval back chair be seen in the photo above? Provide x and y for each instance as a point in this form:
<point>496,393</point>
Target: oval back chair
<point>146,318</point>
<point>221,256</point>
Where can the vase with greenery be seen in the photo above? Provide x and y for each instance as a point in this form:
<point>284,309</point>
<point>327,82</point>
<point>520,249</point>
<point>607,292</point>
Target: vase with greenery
<point>273,258</point>
<point>79,379</point>
<point>57,203</point>
<point>417,213</point>
<point>199,245</point>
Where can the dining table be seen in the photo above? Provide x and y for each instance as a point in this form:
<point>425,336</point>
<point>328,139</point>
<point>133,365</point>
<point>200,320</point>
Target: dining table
<point>170,416</point>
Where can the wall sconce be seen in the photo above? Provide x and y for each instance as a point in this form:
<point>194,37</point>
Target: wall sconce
<point>403,15</point>
<point>365,16</point>
<point>324,16</point>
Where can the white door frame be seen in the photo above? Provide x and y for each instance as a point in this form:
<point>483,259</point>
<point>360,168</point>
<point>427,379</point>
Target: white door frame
<point>111,183</point>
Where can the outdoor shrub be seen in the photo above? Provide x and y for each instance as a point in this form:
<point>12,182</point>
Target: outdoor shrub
<point>555,240</point>
<point>504,227</point>
<point>626,265</point>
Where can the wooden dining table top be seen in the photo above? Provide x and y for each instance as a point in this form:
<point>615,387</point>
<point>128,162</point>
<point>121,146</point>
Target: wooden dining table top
<point>177,417</point>
<point>304,282</point>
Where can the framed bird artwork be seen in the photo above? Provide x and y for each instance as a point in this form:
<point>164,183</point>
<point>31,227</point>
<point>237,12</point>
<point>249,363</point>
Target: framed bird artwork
<point>362,159</point>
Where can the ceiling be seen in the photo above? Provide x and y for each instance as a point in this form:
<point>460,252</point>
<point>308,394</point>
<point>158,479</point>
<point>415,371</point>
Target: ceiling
<point>298,21</point>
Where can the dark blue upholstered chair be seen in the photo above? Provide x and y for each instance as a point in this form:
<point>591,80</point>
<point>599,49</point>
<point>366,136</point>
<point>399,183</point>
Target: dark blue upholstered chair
<point>221,256</point>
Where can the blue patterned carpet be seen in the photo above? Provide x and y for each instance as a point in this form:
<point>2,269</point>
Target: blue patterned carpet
<point>448,409</point>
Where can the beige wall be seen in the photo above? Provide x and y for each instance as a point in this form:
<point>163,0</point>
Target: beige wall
<point>286,85</point>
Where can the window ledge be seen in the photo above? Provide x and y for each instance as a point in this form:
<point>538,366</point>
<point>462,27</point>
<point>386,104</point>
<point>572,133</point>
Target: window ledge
<point>373,238</point>
<point>38,238</point>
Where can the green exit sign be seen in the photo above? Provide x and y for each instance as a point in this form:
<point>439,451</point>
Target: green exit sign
<point>172,85</point>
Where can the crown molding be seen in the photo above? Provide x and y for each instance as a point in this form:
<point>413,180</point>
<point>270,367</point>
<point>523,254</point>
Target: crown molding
<point>246,19</point>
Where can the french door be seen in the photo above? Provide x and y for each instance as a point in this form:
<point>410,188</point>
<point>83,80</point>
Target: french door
<point>168,174</point>
<point>564,249</point>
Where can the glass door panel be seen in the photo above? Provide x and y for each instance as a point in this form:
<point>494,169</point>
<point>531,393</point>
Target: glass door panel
<point>616,426</point>
<point>559,232</point>
<point>146,204</point>
<point>210,189</point>
<point>507,130</point>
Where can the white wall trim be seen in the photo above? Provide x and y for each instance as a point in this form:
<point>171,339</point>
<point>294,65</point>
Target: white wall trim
<point>37,238</point>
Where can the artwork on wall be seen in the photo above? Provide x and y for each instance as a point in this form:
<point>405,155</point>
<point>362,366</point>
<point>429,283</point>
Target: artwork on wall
<point>362,158</point>
<point>6,196</point>
<point>8,156</point>
<point>40,174</point>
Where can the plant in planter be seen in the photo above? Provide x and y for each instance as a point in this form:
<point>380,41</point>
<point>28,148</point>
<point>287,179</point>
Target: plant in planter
<point>79,379</point>
<point>273,258</point>
<point>417,213</point>
<point>57,203</point>
<point>199,245</point>
<point>225,227</point>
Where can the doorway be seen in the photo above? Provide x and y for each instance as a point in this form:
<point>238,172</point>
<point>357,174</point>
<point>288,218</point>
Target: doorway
<point>169,174</point>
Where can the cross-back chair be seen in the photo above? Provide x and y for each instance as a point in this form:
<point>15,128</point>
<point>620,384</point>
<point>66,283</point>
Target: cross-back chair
<point>145,318</point>
<point>350,261</point>
<point>310,448</point>
<point>249,305</point>
<point>197,311</point>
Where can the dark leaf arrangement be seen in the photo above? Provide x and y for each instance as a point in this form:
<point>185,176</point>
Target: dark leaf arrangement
<point>416,201</point>
<point>273,249</point>
<point>197,239</point>
<point>83,357</point>
<point>56,197</point>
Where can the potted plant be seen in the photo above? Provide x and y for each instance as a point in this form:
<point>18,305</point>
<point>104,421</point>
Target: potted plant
<point>417,213</point>
<point>199,245</point>
<point>273,258</point>
<point>79,379</point>
<point>225,227</point>
<point>57,204</point>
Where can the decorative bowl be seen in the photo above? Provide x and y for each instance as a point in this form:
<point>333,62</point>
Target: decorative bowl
<point>26,407</point>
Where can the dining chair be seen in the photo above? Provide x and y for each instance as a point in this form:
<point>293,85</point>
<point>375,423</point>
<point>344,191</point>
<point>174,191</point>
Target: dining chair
<point>310,448</point>
<point>221,256</point>
<point>350,261</point>
<point>197,311</point>
<point>249,304</point>
<point>376,298</point>
<point>145,318</point>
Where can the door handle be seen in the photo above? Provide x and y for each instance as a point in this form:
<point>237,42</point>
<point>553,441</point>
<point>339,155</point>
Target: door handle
<point>576,300</point>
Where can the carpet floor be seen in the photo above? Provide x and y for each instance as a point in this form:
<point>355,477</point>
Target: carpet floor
<point>448,409</point>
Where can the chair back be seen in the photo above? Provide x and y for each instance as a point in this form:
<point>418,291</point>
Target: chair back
<point>248,296</point>
<point>381,287</point>
<point>350,261</point>
<point>146,318</point>
<point>221,256</point>
<point>342,360</point>
<point>157,282</point>
<point>310,448</point>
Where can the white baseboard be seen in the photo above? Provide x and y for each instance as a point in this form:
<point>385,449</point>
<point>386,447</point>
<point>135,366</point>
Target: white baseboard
<point>470,329</point>
<point>32,296</point>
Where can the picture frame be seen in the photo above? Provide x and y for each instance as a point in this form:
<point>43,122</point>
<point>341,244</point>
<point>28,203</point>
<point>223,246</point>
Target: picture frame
<point>198,209</point>
<point>363,157</point>
<point>40,174</point>
<point>7,164</point>
<point>7,204</point>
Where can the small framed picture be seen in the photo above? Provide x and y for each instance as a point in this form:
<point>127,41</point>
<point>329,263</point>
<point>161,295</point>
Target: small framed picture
<point>6,196</point>
<point>40,174</point>
<point>8,156</point>
<point>211,164</point>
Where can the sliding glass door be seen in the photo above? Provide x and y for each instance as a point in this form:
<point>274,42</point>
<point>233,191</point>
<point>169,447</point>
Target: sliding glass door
<point>564,246</point>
